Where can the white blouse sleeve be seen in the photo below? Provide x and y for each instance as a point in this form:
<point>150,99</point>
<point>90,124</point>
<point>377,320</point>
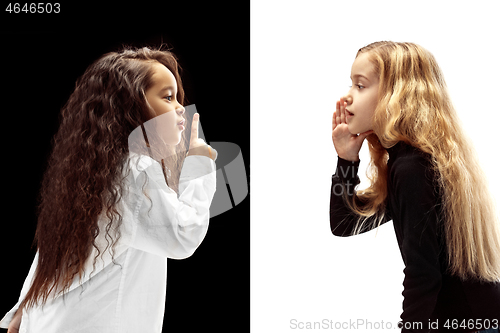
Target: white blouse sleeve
<point>165,223</point>
<point>4,323</point>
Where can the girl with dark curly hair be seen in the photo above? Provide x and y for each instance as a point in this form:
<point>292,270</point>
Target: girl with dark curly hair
<point>113,207</point>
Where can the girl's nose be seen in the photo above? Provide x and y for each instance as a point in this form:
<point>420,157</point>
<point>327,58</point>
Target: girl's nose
<point>348,99</point>
<point>180,110</point>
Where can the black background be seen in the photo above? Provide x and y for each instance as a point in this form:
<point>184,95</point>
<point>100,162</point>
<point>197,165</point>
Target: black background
<point>42,55</point>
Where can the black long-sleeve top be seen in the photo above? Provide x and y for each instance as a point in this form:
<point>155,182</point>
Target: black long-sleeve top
<point>431,294</point>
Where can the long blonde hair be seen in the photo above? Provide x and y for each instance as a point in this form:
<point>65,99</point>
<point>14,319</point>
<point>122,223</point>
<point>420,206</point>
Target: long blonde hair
<point>414,107</point>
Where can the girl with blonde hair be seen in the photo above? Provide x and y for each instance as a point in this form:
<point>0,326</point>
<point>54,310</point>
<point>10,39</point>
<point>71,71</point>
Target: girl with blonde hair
<point>426,178</point>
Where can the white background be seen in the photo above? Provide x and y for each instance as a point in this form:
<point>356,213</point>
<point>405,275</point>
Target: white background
<point>301,55</point>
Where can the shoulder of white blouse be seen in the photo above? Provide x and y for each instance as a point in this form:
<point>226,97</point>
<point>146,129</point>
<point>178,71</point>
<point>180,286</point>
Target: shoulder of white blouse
<point>142,163</point>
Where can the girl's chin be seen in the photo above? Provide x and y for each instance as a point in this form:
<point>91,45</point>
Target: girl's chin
<point>174,140</point>
<point>352,130</point>
<point>355,131</point>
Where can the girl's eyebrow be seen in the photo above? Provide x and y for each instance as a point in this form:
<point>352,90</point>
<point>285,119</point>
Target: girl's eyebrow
<point>362,76</point>
<point>166,88</point>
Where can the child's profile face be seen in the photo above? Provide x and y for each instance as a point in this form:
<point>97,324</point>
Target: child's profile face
<point>162,97</point>
<point>362,97</point>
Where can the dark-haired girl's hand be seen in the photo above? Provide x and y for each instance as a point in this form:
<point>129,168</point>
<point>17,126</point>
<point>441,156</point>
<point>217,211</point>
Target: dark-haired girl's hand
<point>346,144</point>
<point>15,322</point>
<point>198,146</point>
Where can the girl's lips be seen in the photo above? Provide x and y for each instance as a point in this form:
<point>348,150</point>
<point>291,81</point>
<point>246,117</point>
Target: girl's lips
<point>349,113</point>
<point>181,124</point>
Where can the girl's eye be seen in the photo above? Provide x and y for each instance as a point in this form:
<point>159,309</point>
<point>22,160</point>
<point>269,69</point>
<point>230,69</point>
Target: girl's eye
<point>169,98</point>
<point>359,86</point>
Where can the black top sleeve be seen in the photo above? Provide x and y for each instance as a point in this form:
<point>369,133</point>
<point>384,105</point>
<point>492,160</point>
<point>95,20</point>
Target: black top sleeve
<point>343,220</point>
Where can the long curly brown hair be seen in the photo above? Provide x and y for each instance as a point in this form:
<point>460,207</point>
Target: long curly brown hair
<point>83,180</point>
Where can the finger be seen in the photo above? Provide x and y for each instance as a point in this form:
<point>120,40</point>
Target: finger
<point>345,112</point>
<point>336,114</point>
<point>334,117</point>
<point>194,126</point>
<point>342,111</point>
<point>212,153</point>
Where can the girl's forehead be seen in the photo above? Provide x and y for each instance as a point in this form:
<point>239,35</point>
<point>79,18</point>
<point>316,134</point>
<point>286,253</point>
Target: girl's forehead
<point>162,75</point>
<point>362,66</point>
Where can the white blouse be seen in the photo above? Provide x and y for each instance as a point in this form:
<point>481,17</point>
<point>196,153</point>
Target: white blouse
<point>126,292</point>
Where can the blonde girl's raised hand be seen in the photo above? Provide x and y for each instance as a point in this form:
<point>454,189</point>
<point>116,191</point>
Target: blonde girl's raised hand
<point>346,144</point>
